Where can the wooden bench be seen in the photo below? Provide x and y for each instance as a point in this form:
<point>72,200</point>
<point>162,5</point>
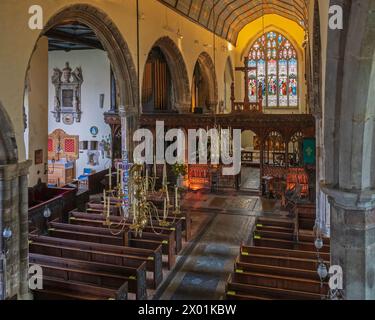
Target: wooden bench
<point>107,253</point>
<point>236,290</point>
<point>97,220</point>
<point>57,289</point>
<point>93,256</point>
<point>166,238</point>
<point>100,274</point>
<point>103,235</point>
<point>280,282</point>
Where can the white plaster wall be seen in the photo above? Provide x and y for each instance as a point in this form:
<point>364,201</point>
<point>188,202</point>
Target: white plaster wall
<point>96,80</point>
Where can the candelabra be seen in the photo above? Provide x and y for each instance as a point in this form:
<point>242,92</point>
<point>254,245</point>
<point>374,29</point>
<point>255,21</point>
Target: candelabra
<point>138,213</point>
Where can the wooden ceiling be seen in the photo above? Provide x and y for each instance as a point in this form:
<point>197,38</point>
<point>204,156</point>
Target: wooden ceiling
<point>72,36</point>
<point>228,17</point>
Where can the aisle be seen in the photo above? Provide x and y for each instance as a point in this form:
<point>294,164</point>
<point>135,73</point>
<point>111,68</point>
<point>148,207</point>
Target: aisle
<point>203,274</point>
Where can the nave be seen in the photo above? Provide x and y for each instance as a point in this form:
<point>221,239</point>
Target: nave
<point>187,149</point>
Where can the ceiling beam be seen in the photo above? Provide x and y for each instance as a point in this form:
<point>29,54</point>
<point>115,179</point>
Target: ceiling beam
<point>70,38</point>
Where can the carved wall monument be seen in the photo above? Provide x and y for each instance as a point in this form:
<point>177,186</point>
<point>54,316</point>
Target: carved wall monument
<point>67,94</point>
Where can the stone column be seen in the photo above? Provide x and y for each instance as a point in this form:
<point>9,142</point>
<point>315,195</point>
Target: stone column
<point>353,241</point>
<point>24,292</point>
<point>13,215</point>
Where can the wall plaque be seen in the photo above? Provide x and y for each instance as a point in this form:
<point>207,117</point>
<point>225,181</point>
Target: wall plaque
<point>67,94</point>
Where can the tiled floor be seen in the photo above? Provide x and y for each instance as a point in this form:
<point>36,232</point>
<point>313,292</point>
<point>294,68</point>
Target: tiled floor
<point>250,178</point>
<point>203,269</point>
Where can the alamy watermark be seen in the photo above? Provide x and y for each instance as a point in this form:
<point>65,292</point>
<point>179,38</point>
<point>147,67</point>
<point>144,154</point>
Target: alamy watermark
<point>218,146</point>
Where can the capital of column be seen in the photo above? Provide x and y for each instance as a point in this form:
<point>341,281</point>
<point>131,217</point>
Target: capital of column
<point>350,200</point>
<point>12,171</point>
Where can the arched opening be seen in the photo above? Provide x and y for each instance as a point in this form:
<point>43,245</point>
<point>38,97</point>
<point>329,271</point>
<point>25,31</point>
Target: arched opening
<point>204,85</point>
<point>157,88</point>
<point>123,75</point>
<point>80,67</point>
<point>165,79</point>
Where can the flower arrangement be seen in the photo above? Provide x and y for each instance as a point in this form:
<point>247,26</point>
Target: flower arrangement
<point>179,169</point>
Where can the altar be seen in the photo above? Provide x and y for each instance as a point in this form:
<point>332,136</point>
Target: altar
<point>62,156</point>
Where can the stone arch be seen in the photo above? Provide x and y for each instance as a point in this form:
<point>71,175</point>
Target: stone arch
<point>114,44</point>
<point>348,106</point>
<point>208,68</point>
<point>179,75</point>
<point>8,146</point>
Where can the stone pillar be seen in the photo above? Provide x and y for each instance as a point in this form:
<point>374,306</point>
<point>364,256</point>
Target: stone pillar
<point>353,241</point>
<point>13,215</point>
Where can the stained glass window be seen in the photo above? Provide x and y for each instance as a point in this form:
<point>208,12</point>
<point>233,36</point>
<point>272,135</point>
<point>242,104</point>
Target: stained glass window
<point>275,64</point>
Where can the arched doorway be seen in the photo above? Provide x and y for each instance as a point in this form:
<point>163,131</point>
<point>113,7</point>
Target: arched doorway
<point>204,85</point>
<point>166,65</point>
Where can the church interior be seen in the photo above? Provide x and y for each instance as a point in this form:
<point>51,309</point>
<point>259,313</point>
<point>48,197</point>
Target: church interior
<point>295,79</point>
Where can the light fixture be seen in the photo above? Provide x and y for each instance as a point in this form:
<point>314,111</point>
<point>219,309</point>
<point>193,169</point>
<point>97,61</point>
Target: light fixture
<point>47,212</point>
<point>318,243</point>
<point>179,35</point>
<point>322,271</point>
<point>7,233</point>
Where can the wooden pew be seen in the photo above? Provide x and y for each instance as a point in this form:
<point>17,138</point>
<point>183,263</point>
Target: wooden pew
<point>306,215</point>
<point>56,289</point>
<point>247,250</point>
<point>166,238</point>
<point>97,220</point>
<point>281,257</point>
<point>90,255</point>
<point>280,282</point>
<point>108,276</point>
<point>275,270</point>
<point>107,253</point>
<point>90,234</point>
<point>236,290</point>
<point>126,237</point>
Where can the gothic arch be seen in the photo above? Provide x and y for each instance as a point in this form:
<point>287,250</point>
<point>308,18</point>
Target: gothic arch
<point>114,44</point>
<point>179,75</point>
<point>8,146</point>
<point>207,66</point>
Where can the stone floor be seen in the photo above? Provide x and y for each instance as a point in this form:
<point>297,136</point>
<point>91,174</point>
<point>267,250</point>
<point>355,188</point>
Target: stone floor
<point>205,264</point>
<point>250,178</point>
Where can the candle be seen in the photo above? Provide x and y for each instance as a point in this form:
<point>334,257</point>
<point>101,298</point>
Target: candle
<point>165,175</point>
<point>118,176</point>
<point>176,197</point>
<point>166,189</point>
<point>109,206</point>
<point>146,178</point>
<point>154,167</point>
<point>165,209</point>
<point>122,179</point>
<point>110,176</point>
